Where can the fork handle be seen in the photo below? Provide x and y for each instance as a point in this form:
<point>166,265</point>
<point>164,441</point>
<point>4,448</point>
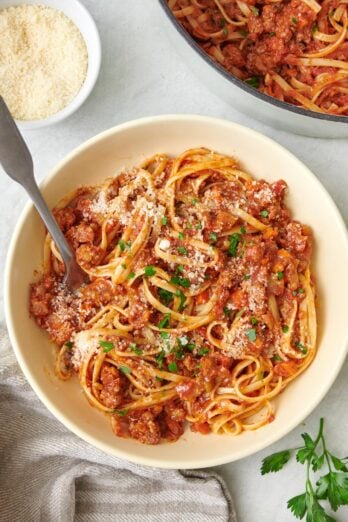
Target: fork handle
<point>51,224</point>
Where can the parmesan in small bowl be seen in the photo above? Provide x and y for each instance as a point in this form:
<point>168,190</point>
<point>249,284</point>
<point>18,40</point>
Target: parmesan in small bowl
<point>50,58</point>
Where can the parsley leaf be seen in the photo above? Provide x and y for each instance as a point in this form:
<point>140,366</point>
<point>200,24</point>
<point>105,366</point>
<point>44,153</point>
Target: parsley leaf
<point>165,296</point>
<point>180,281</point>
<point>275,462</point>
<point>131,275</point>
<point>182,250</point>
<point>227,311</point>
<point>297,505</point>
<point>121,413</point>
<point>253,81</point>
<point>164,220</point>
<point>251,334</point>
<point>213,237</point>
<point>234,242</point>
<point>107,346</point>
<point>69,345</point>
<point>135,349</point>
<point>125,369</point>
<point>160,357</point>
<point>173,367</point>
<point>149,271</point>
<point>264,213</point>
<point>165,321</point>
<point>182,297</point>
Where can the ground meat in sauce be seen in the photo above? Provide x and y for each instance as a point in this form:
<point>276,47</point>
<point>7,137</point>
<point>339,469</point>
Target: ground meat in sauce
<point>113,385</point>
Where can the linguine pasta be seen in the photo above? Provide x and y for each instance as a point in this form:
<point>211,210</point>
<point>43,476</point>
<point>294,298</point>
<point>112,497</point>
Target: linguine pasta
<point>200,305</point>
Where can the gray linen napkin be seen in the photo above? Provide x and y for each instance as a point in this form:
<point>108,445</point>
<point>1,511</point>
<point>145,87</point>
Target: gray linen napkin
<point>48,474</point>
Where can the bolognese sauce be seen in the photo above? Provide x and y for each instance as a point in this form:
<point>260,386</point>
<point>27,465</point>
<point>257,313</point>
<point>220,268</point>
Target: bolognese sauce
<point>199,307</point>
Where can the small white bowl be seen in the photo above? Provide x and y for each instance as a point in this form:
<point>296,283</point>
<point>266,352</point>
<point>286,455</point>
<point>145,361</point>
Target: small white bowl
<point>125,146</point>
<point>74,10</point>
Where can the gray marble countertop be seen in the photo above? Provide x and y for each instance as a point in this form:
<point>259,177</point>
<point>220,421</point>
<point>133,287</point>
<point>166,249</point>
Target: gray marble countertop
<point>141,75</point>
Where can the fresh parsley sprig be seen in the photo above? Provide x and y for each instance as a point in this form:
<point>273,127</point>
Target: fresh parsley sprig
<point>333,486</point>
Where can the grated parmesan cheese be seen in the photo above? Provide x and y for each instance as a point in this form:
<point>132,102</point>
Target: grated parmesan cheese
<point>43,60</point>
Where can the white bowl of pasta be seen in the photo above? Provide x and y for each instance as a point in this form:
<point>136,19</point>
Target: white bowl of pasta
<point>196,333</point>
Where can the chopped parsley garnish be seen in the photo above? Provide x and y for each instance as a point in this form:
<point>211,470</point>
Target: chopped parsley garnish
<point>164,220</point>
<point>189,226</point>
<point>107,346</point>
<point>301,347</point>
<point>272,33</point>
<point>234,242</point>
<point>165,296</point>
<point>181,235</point>
<point>135,349</point>
<point>164,335</point>
<point>255,10</point>
<point>124,266</point>
<point>264,213</point>
<point>315,28</point>
<point>246,277</point>
<point>121,413</point>
<point>213,237</point>
<point>165,321</point>
<point>225,31</point>
<point>301,291</point>
<point>179,354</point>
<point>254,321</point>
<point>203,351</point>
<point>242,230</point>
<point>190,347</point>
<point>194,201</point>
<point>294,20</point>
<point>131,275</point>
<point>276,358</point>
<point>222,22</point>
<point>251,334</point>
<point>173,367</point>
<point>69,345</point>
<point>149,271</point>
<point>125,369</point>
<point>227,311</point>
<point>181,281</point>
<point>179,268</point>
<point>253,81</point>
<point>243,33</point>
<point>199,226</point>
<point>285,328</point>
<point>182,297</point>
<point>122,245</point>
<point>160,357</point>
<point>280,275</point>
<point>182,250</point>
